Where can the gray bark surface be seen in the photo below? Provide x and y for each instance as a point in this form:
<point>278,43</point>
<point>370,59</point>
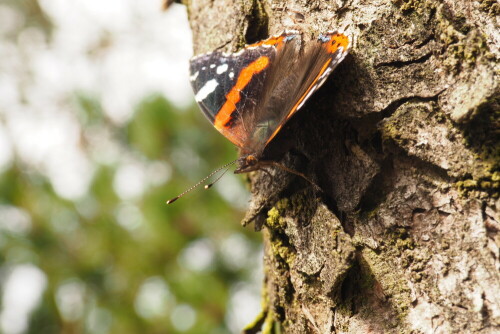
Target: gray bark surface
<point>404,141</point>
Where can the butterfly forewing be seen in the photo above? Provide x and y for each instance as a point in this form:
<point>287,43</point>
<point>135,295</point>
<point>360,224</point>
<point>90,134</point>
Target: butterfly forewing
<point>228,85</point>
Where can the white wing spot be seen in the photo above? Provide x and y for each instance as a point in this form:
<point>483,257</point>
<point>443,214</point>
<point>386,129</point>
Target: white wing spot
<point>206,90</point>
<point>194,76</point>
<point>221,69</point>
<point>212,65</point>
<point>231,75</point>
<point>239,52</point>
<point>203,68</point>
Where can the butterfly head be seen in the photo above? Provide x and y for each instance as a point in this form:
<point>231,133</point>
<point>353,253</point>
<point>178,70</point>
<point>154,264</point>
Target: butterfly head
<point>247,163</point>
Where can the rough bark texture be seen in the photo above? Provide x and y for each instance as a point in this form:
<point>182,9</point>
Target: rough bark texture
<point>404,142</point>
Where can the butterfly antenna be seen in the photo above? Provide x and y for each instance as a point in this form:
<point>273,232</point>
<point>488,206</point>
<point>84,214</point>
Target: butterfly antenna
<point>226,166</point>
<point>217,179</point>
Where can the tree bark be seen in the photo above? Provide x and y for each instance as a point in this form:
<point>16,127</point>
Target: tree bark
<point>403,140</point>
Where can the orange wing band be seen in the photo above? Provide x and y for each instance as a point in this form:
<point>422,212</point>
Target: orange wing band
<point>233,97</point>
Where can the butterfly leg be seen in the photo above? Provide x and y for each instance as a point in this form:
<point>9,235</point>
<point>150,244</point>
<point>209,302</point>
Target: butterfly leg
<point>268,173</point>
<point>302,175</point>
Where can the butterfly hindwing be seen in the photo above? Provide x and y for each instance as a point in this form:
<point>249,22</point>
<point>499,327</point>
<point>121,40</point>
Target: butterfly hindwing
<point>297,80</point>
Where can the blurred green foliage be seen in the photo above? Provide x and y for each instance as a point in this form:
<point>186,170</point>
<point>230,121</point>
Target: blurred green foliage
<point>127,257</point>
<point>70,241</point>
<point>83,242</point>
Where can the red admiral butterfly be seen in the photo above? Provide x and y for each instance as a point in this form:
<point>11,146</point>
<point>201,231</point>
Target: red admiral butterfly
<point>249,95</point>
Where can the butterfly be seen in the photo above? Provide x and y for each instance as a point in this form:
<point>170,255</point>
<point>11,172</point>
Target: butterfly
<point>249,95</point>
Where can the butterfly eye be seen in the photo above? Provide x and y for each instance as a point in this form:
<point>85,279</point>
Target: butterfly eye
<point>251,160</point>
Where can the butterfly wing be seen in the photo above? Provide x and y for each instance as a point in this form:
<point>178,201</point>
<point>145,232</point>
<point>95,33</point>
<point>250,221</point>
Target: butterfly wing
<point>293,81</point>
<point>249,95</point>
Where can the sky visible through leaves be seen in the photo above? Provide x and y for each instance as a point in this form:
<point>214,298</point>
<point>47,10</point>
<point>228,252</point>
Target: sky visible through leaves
<point>98,128</point>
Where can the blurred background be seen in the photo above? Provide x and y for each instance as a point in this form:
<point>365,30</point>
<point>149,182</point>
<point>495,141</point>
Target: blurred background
<point>98,128</point>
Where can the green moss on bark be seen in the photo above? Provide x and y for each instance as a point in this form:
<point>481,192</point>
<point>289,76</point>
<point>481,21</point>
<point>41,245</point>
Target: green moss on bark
<point>394,285</point>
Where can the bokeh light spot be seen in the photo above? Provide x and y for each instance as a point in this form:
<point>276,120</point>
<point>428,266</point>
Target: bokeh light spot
<point>183,317</point>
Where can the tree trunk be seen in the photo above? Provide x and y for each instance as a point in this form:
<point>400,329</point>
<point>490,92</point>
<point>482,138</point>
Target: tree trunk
<point>403,140</point>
